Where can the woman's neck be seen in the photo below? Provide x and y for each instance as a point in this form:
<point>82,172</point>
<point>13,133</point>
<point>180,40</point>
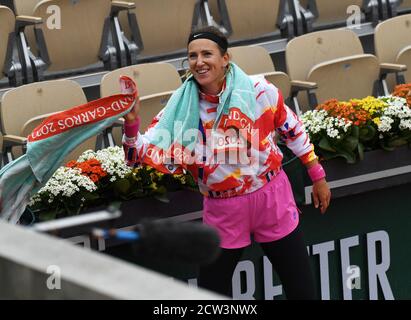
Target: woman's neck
<point>213,89</point>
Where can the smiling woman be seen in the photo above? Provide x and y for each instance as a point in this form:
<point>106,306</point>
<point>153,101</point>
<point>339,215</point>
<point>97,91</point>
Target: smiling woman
<point>219,102</point>
<point>208,60</point>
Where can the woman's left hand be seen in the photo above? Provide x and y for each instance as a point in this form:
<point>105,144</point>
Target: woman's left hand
<point>321,195</point>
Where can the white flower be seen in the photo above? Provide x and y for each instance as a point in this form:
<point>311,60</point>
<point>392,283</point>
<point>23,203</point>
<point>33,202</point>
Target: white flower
<point>397,109</point>
<point>316,121</point>
<point>86,155</point>
<point>34,199</point>
<point>385,124</point>
<point>405,124</point>
<point>112,161</point>
<point>65,182</point>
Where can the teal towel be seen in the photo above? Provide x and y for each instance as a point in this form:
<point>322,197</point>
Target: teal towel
<point>183,109</point>
<point>20,179</point>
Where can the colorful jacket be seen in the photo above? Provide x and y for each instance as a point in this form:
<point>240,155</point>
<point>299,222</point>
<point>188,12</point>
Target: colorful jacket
<point>222,178</point>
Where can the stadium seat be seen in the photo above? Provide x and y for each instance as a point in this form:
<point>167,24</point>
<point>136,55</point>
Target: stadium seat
<point>155,84</point>
<point>37,100</point>
<point>253,20</point>
<point>86,38</point>
<point>392,40</point>
<point>326,14</point>
<point>7,23</point>
<point>404,7</point>
<point>256,60</point>
<point>24,7</point>
<point>335,61</point>
<point>76,43</point>
<point>164,26</point>
<point>16,59</point>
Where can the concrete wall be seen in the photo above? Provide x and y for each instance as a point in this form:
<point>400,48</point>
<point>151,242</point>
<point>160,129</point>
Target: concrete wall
<point>32,263</point>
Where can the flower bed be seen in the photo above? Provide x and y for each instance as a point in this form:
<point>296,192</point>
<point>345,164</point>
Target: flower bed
<point>100,178</point>
<point>348,128</point>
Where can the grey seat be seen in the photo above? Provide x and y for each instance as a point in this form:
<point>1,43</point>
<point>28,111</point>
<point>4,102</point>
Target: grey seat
<point>326,14</point>
<point>392,41</point>
<point>7,22</point>
<point>155,82</point>
<point>164,26</point>
<point>27,105</point>
<point>256,60</point>
<point>250,20</point>
<point>335,60</point>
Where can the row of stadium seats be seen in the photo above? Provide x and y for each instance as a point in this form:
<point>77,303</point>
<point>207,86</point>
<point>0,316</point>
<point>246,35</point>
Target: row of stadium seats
<point>67,37</point>
<point>242,19</point>
<point>25,107</point>
<point>118,34</point>
<point>331,58</point>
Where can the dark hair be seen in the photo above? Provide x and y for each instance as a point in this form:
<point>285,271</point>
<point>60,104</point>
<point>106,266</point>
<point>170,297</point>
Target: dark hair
<point>213,34</point>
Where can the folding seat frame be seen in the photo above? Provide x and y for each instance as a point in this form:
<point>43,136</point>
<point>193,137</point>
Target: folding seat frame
<point>21,65</point>
<point>387,8</point>
<point>392,8</point>
<point>206,18</point>
<point>127,50</point>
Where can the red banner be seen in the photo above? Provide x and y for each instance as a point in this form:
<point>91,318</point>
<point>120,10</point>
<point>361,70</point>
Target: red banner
<point>88,113</point>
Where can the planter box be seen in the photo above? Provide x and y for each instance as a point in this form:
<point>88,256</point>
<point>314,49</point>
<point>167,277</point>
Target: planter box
<point>380,169</point>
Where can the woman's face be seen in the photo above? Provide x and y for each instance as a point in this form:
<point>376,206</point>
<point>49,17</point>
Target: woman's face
<point>207,64</point>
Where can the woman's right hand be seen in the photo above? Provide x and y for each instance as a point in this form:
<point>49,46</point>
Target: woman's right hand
<point>133,114</point>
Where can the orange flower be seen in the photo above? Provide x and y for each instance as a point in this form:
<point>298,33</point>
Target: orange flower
<point>403,91</point>
<point>71,164</point>
<point>346,110</point>
<point>90,168</point>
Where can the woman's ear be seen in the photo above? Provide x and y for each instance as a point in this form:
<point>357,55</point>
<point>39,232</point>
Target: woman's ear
<point>226,59</point>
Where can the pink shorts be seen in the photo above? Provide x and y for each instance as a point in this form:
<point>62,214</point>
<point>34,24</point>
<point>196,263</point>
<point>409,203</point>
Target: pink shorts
<point>270,213</point>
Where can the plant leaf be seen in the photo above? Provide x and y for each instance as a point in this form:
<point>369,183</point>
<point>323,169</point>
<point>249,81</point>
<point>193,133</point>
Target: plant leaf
<point>350,143</point>
<point>396,142</point>
<point>325,144</point>
<point>121,186</point>
<point>355,131</point>
<point>367,133</point>
<point>47,215</point>
<point>361,151</point>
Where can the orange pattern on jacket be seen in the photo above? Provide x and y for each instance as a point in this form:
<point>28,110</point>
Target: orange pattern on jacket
<point>272,117</point>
